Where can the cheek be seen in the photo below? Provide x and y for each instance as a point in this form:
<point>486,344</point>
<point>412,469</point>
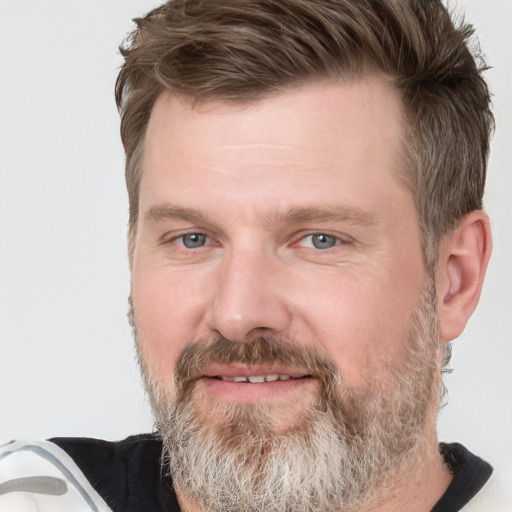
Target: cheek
<point>362,321</point>
<point>346,326</point>
<point>168,311</point>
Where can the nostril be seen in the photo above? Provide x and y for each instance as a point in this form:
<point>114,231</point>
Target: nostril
<point>260,332</point>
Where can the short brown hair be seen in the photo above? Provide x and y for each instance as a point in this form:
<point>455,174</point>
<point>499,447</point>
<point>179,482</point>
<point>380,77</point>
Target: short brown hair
<point>243,50</point>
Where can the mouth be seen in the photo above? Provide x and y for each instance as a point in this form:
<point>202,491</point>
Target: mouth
<point>256,379</point>
<point>252,384</point>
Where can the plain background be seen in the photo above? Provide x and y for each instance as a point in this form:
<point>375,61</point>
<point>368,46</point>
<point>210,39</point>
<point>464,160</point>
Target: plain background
<point>66,354</point>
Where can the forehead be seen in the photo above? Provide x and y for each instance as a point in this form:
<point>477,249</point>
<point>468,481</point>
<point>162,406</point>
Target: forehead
<point>340,138</point>
<point>369,103</point>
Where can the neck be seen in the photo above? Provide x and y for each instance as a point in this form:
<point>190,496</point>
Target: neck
<point>418,485</point>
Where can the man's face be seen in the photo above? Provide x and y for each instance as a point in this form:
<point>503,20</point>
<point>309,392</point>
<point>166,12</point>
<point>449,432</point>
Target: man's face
<point>283,217</point>
<point>282,220</point>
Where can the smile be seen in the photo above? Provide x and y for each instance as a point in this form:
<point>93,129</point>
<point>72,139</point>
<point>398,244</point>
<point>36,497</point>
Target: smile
<point>246,384</point>
<point>255,379</point>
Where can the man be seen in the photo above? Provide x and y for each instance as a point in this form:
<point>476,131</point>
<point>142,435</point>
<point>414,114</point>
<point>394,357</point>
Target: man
<point>306,237</point>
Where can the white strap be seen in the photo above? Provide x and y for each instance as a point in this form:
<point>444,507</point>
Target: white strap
<point>41,477</point>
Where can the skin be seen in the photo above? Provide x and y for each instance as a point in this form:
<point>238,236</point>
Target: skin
<point>259,181</point>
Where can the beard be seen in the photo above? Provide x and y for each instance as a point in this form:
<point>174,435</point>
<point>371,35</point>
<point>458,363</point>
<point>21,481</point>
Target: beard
<point>343,449</point>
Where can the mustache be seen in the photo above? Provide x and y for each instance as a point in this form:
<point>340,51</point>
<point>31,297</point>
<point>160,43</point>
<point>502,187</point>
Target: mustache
<point>271,351</point>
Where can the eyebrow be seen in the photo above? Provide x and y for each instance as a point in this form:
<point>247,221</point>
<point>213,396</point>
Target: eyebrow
<point>336,213</point>
<point>294,215</point>
<point>162,212</point>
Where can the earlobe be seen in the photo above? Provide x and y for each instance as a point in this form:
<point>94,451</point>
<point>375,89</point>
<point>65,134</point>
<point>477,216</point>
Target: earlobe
<point>460,272</point>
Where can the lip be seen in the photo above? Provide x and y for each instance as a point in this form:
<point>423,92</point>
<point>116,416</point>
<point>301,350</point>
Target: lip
<point>252,392</point>
<point>213,371</point>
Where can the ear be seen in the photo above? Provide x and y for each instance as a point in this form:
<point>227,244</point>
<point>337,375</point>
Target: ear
<point>460,271</point>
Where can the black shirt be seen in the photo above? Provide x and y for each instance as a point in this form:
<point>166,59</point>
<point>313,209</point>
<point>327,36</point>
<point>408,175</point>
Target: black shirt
<point>129,476</point>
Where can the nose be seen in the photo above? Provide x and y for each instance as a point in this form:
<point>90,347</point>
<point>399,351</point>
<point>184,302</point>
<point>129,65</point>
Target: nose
<point>249,299</point>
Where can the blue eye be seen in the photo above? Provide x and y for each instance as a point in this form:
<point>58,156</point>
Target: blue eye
<point>323,241</point>
<point>193,240</point>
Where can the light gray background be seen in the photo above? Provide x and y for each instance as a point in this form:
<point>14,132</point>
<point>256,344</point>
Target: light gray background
<point>66,356</point>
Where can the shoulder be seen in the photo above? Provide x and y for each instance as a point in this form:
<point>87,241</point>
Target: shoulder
<point>97,455</point>
<point>476,486</point>
<point>121,475</point>
<point>40,476</point>
<point>495,495</point>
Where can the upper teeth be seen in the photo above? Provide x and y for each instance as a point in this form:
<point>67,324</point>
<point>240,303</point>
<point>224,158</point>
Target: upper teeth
<point>257,378</point>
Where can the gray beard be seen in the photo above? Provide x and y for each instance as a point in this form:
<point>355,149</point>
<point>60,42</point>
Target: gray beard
<point>339,455</point>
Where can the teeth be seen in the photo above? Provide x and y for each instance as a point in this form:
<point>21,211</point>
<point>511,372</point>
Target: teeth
<point>257,378</point>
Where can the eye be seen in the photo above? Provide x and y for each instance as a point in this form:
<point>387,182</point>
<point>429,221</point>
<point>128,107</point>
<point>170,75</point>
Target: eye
<point>192,240</point>
<point>320,241</point>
